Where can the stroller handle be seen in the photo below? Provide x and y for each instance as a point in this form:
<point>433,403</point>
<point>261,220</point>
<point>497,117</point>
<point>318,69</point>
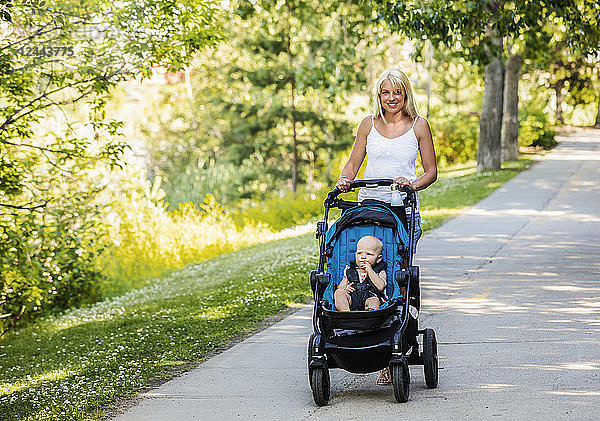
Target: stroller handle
<point>369,183</point>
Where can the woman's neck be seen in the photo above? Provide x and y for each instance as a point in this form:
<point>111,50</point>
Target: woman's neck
<point>396,118</point>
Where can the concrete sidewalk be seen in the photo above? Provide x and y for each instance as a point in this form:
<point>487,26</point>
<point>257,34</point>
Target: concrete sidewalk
<point>512,288</point>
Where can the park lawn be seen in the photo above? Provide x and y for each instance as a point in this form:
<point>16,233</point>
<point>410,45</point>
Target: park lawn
<point>81,363</point>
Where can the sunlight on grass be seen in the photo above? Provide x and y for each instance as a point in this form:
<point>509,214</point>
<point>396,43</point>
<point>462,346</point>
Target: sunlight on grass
<point>457,170</point>
<point>113,347</point>
<point>31,381</point>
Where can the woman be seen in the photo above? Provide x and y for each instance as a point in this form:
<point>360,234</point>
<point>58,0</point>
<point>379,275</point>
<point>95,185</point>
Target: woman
<point>391,139</point>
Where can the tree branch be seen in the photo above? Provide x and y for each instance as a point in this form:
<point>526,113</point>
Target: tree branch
<point>25,207</point>
<point>16,116</point>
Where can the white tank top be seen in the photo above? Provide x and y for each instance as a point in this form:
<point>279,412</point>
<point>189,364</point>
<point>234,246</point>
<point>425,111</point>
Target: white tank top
<point>389,158</point>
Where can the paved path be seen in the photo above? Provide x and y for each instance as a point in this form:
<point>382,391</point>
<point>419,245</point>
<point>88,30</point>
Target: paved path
<point>512,288</point>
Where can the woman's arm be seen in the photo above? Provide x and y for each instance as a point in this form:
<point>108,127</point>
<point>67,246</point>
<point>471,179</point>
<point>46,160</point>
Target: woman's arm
<point>359,151</point>
<point>427,151</point>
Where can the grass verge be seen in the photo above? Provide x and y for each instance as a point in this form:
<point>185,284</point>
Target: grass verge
<point>77,364</point>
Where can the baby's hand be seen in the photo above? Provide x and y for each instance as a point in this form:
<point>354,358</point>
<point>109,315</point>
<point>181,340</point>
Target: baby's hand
<point>365,265</point>
<point>349,287</point>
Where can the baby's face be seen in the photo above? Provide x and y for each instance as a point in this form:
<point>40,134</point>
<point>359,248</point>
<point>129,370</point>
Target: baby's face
<point>366,251</point>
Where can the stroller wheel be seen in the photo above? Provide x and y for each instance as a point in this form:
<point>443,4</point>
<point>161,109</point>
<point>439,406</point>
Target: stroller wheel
<point>430,359</point>
<point>401,381</point>
<point>319,383</point>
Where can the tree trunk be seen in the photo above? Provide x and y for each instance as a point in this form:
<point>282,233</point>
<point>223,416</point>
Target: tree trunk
<point>293,106</point>
<point>295,142</point>
<point>597,123</point>
<point>510,122</point>
<point>429,74</point>
<point>558,86</point>
<point>489,149</point>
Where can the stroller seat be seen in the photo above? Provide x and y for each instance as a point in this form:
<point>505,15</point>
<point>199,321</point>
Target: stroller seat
<point>343,248</point>
<point>341,243</point>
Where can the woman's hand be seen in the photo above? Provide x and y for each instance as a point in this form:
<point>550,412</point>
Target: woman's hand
<point>401,182</point>
<point>343,183</point>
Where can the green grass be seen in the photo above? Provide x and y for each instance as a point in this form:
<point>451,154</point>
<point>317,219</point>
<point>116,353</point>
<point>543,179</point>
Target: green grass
<point>70,366</point>
<point>77,364</point>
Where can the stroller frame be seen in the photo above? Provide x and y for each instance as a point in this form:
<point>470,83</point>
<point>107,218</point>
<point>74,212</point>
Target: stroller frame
<point>390,332</point>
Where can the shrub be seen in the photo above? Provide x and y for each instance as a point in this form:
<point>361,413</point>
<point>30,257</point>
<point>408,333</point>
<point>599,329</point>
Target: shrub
<point>535,127</point>
<point>279,213</point>
<point>85,246</point>
<point>48,258</point>
<point>222,179</point>
<point>148,241</point>
<point>454,135</point>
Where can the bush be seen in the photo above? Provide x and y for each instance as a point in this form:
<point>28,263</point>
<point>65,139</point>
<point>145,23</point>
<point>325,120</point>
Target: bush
<point>535,127</point>
<point>454,135</point>
<point>225,181</point>
<point>85,246</point>
<point>148,241</point>
<point>48,259</point>
<point>284,212</point>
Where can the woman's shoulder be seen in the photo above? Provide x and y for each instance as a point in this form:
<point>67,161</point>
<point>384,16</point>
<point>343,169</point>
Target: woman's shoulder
<point>368,120</point>
<point>366,124</point>
<point>421,124</point>
<point>422,130</point>
<point>421,121</point>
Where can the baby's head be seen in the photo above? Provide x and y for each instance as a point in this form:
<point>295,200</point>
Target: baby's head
<point>368,249</point>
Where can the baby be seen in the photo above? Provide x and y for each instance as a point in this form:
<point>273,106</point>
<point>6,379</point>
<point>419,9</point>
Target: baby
<point>363,285</point>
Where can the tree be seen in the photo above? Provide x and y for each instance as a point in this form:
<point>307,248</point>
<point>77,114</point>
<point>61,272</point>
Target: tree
<point>296,61</point>
<point>51,58</point>
<point>55,56</point>
<point>481,29</point>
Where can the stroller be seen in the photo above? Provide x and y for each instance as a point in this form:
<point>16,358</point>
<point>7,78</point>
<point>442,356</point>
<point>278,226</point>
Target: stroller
<point>368,341</point>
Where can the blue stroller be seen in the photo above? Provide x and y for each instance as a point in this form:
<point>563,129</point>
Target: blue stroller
<point>368,341</point>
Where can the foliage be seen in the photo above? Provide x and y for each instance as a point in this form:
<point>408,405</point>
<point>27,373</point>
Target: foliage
<point>572,73</point>
<point>48,258</point>
<point>147,241</point>
<point>480,30</point>
<point>284,96</point>
<point>227,182</point>
<point>284,212</point>
<point>50,58</point>
<point>454,135</point>
<point>297,66</point>
<point>468,25</point>
<point>535,127</point>
<point>74,365</point>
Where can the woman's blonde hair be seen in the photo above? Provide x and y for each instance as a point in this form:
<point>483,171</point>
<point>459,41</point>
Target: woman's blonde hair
<point>398,79</point>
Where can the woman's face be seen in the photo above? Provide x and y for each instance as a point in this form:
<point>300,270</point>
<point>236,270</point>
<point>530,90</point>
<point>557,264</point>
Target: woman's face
<point>392,97</point>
